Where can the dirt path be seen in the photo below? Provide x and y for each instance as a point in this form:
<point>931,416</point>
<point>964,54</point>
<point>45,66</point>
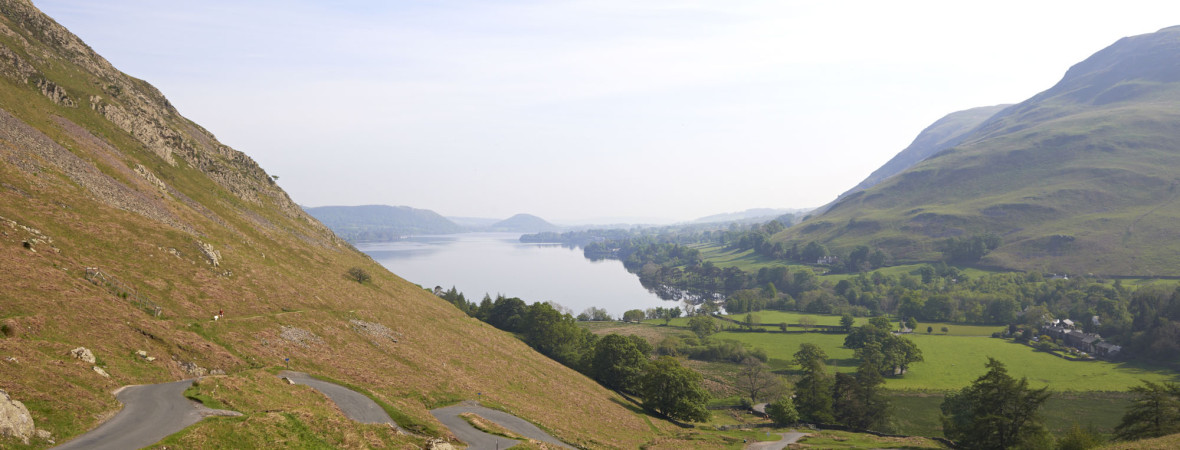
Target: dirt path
<point>355,405</point>
<point>150,413</point>
<point>788,439</point>
<point>478,440</point>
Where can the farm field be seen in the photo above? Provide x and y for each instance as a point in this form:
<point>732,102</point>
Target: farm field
<point>918,413</point>
<point>952,362</point>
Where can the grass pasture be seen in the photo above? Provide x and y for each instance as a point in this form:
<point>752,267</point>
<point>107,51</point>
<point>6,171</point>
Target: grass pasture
<point>952,362</point>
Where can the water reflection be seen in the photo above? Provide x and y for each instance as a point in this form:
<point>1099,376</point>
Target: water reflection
<point>493,263</point>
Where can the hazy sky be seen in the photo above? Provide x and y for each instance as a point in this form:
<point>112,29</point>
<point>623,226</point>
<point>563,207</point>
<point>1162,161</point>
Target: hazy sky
<point>589,110</point>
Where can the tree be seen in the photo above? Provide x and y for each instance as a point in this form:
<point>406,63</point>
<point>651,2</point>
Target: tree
<point>995,412</point>
<point>507,313</point>
<point>806,322</point>
<point>756,380</point>
<point>929,330</point>
<point>846,321</point>
<point>813,392</point>
<point>1155,412</point>
<point>703,326</point>
<point>782,411</point>
<point>634,315</point>
<point>673,390</point>
<point>911,323</point>
<point>617,362</point>
<point>359,275</point>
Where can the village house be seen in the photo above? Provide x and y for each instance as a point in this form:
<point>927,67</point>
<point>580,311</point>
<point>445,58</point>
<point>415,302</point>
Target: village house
<point>1065,332</point>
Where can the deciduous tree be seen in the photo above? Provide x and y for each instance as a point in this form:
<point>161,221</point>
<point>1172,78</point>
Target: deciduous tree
<point>673,390</point>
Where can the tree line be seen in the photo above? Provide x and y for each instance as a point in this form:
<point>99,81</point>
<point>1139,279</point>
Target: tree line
<point>621,363</point>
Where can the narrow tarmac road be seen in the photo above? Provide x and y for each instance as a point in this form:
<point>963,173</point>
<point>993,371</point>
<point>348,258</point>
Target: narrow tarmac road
<point>355,405</point>
<point>788,439</point>
<point>150,413</point>
<point>478,440</point>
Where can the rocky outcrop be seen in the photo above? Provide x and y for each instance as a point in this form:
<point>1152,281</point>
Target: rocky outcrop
<point>193,369</point>
<point>438,444</point>
<point>375,331</point>
<point>56,93</point>
<point>15,420</point>
<point>299,336</point>
<point>83,354</point>
<point>139,109</point>
<point>17,134</point>
<point>213,256</point>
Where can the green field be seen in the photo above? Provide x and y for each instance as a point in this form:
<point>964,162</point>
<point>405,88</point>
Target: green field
<point>952,362</point>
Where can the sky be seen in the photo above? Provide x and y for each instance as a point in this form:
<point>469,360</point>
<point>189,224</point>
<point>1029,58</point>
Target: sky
<point>589,110</point>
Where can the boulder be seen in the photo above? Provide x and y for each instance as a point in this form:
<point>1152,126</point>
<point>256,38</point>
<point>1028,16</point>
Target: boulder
<point>83,354</point>
<point>15,420</point>
<point>99,371</point>
<point>438,444</point>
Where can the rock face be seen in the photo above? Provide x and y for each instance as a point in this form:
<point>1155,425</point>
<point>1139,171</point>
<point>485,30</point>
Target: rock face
<point>193,369</point>
<point>438,444</point>
<point>83,354</point>
<point>15,420</point>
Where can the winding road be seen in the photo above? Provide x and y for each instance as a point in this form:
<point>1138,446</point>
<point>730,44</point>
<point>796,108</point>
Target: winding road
<point>155,411</point>
<point>150,413</point>
<point>788,439</point>
<point>355,405</point>
<point>478,440</point>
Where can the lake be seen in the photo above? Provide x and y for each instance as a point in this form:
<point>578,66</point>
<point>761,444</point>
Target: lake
<point>498,263</point>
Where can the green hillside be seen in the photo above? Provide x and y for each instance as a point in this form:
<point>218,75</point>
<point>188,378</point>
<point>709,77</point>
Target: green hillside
<point>945,133</point>
<point>1081,178</point>
<point>125,227</point>
<point>381,222</point>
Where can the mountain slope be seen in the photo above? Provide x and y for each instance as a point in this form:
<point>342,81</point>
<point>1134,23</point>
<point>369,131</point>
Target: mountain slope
<point>1080,178</point>
<point>381,222</point>
<point>944,133</point>
<point>125,227</point>
<point>524,223</point>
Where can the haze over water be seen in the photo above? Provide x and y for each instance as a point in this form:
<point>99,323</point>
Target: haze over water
<point>498,263</point>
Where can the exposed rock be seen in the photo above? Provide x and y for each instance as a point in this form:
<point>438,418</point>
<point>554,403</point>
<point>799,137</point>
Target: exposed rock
<point>83,354</point>
<point>438,444</point>
<point>15,420</point>
<point>150,177</point>
<point>99,371</point>
<point>374,330</point>
<point>55,93</point>
<point>141,353</point>
<point>149,358</point>
<point>212,255</point>
<point>217,372</point>
<point>288,380</point>
<point>299,336</point>
<point>16,134</point>
<point>193,369</point>
<point>44,435</point>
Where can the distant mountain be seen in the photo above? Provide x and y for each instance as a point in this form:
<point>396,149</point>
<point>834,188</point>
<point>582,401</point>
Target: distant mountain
<point>1081,178</point>
<point>752,215</point>
<point>524,223</point>
<point>473,223</point>
<point>947,132</point>
<point>381,222</point>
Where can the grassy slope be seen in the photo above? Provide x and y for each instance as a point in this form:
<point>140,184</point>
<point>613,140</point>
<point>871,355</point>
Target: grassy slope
<point>279,268</point>
<point>1099,169</point>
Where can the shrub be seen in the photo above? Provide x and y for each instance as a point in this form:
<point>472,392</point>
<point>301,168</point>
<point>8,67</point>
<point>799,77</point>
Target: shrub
<point>359,275</point>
